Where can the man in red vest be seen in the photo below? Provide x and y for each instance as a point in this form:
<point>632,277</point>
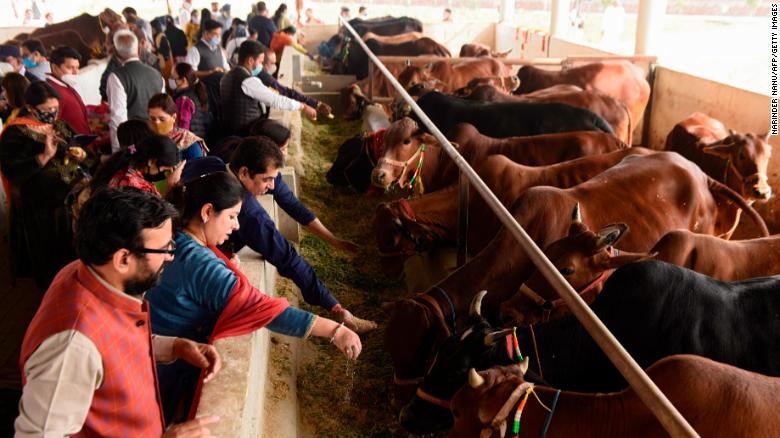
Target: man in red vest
<point>64,71</point>
<point>88,357</point>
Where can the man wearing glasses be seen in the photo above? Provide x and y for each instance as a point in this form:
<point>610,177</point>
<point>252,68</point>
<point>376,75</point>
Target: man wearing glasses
<point>88,355</point>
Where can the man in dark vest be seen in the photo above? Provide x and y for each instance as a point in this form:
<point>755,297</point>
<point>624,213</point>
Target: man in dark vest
<point>206,55</point>
<point>244,97</point>
<point>131,86</point>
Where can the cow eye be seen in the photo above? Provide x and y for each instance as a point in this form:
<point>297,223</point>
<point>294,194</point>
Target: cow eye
<point>408,141</point>
<point>567,271</point>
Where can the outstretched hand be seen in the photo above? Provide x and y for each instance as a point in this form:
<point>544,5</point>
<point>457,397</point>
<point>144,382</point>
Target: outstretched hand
<point>201,355</point>
<point>192,429</point>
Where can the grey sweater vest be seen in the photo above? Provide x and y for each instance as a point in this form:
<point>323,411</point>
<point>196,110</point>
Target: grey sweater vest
<point>238,109</point>
<point>209,58</point>
<point>140,82</point>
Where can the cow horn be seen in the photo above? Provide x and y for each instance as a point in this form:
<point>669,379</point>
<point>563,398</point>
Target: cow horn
<point>397,221</point>
<point>732,132</point>
<point>408,62</point>
<point>524,365</point>
<point>576,214</point>
<point>765,137</point>
<point>476,304</point>
<point>475,380</point>
<point>492,338</point>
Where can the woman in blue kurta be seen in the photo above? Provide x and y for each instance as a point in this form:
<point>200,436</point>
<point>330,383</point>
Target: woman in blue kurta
<point>203,296</point>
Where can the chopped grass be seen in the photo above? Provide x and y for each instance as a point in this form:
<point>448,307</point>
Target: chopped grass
<point>337,398</point>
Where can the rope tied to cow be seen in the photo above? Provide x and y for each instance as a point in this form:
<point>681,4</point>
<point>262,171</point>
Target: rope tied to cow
<point>519,397</point>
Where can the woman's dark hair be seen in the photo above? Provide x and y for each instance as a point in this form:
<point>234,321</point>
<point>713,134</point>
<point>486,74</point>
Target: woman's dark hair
<point>280,11</point>
<point>290,30</point>
<point>39,92</point>
<point>185,70</point>
<point>220,189</point>
<point>271,129</point>
<point>113,219</point>
<point>205,14</point>
<point>132,132</point>
<point>257,154</point>
<point>164,102</point>
<point>15,86</point>
<point>154,147</point>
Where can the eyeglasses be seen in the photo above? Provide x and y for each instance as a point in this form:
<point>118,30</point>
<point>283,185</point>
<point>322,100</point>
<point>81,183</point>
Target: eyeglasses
<point>170,249</point>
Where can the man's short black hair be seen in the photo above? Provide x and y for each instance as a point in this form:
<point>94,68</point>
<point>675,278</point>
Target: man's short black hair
<point>129,11</point>
<point>361,9</point>
<point>249,49</point>
<point>34,45</point>
<point>113,219</point>
<point>257,154</point>
<point>60,54</point>
<point>261,7</point>
<point>210,25</point>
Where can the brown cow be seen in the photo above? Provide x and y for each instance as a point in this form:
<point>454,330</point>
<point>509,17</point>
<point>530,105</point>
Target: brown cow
<point>618,79</point>
<point>91,28</point>
<point>452,76</point>
<point>406,226</point>
<point>726,260</point>
<point>393,39</point>
<point>737,160</point>
<point>717,400</point>
<point>71,39</point>
<point>653,194</point>
<point>612,110</point>
<point>403,140</point>
<point>476,50</point>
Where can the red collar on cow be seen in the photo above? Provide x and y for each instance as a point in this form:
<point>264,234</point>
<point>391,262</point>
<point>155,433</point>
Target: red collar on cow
<point>548,306</point>
<point>373,144</point>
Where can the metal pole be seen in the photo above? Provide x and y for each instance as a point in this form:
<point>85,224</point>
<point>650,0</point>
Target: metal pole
<point>559,19</point>
<point>371,82</point>
<point>651,396</point>
<point>463,218</point>
<point>648,23</point>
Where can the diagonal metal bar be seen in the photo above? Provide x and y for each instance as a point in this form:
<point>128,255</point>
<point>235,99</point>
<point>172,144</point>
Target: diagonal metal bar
<point>648,392</point>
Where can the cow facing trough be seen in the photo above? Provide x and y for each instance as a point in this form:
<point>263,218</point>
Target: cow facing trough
<point>653,194</point>
<point>405,143</point>
<point>717,400</point>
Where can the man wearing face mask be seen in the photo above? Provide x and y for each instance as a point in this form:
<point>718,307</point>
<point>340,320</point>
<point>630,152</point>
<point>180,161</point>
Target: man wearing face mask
<point>12,55</point>
<point>206,55</point>
<point>34,58</point>
<point>266,76</point>
<point>244,97</point>
<point>64,71</point>
<point>130,87</point>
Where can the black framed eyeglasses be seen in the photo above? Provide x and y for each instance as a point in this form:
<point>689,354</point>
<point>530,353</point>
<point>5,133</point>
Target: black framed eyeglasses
<point>169,249</point>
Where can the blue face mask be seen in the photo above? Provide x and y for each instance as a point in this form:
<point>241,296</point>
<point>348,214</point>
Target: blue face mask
<point>214,41</point>
<point>258,68</point>
<point>28,62</point>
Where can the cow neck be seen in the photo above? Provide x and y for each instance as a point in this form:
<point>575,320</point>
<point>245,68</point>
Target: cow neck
<point>437,212</point>
<point>442,306</point>
<point>432,167</point>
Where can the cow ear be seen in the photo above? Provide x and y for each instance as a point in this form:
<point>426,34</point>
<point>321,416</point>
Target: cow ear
<point>609,235</point>
<point>720,150</point>
<point>427,138</point>
<point>388,307</point>
<point>626,258</point>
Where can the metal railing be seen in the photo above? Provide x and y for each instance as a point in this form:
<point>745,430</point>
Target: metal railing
<point>648,392</point>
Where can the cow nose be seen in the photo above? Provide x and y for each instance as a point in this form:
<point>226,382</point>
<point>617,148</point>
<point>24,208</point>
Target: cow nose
<point>762,193</point>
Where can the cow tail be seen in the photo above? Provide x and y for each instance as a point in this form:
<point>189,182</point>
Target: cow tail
<point>725,191</point>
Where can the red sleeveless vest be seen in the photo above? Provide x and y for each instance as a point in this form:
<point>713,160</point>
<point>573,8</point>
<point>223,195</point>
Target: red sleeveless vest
<point>127,403</point>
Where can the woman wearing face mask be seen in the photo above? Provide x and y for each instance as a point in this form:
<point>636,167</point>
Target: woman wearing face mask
<point>42,168</point>
<point>152,160</point>
<point>192,28</point>
<point>162,117</point>
<point>203,296</point>
<point>192,101</point>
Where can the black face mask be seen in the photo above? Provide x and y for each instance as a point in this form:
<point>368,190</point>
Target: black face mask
<point>155,178</point>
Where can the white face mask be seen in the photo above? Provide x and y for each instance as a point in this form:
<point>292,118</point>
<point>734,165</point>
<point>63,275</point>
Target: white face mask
<point>171,83</point>
<point>71,80</point>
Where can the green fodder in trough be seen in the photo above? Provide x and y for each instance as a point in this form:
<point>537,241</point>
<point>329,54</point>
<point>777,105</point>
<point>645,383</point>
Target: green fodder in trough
<point>339,398</point>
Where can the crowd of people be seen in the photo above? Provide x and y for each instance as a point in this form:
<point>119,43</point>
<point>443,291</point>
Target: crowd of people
<point>132,233</point>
